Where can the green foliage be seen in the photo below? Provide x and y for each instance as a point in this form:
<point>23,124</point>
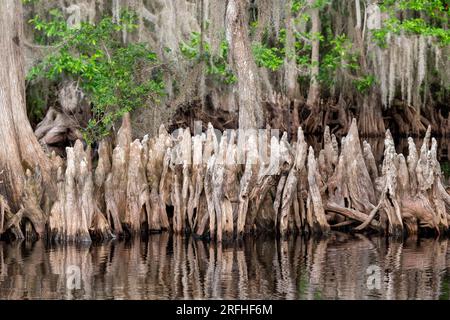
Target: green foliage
<point>445,290</point>
<point>338,54</point>
<point>431,7</point>
<point>217,65</point>
<point>191,49</point>
<point>270,58</point>
<point>336,51</point>
<point>364,83</point>
<point>35,107</point>
<point>379,36</point>
<point>302,50</point>
<point>117,78</point>
<point>341,54</point>
<point>433,20</point>
<point>253,27</point>
<point>297,5</point>
<point>321,4</point>
<point>445,167</point>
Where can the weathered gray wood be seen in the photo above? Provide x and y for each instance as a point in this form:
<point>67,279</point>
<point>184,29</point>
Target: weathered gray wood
<point>210,191</point>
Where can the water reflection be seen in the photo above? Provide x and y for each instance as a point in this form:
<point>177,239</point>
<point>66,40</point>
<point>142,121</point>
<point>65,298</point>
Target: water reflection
<point>167,267</point>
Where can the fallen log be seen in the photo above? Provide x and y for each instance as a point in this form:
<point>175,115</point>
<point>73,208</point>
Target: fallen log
<point>352,214</point>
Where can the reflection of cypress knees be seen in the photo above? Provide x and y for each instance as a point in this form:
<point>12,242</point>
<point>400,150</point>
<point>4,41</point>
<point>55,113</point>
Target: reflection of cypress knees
<point>176,268</point>
<point>224,188</point>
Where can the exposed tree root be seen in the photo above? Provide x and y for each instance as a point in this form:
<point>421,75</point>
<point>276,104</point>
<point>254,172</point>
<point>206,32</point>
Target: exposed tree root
<point>61,124</point>
<point>404,120</point>
<point>224,187</point>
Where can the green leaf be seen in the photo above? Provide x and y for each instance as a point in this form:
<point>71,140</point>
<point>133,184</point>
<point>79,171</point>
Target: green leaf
<point>105,68</point>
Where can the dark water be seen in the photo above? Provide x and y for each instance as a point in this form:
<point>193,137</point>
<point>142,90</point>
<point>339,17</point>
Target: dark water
<point>339,267</point>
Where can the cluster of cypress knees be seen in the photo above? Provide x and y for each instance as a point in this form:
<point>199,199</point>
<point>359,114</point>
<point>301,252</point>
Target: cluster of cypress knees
<point>196,183</point>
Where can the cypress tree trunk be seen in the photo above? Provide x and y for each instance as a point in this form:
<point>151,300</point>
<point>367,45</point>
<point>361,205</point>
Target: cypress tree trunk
<point>291,73</point>
<point>314,88</point>
<point>19,148</point>
<point>250,110</point>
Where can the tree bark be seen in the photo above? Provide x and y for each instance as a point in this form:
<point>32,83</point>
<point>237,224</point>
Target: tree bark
<point>291,73</point>
<point>19,148</point>
<point>250,110</point>
<point>314,88</point>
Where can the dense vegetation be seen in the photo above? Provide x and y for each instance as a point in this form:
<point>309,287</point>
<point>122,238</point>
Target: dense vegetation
<point>317,66</point>
<point>385,62</point>
<point>117,77</point>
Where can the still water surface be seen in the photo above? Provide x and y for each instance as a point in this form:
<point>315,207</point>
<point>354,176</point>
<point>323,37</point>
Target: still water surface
<point>166,267</point>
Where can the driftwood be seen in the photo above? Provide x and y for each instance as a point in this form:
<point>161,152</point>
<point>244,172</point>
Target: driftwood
<point>225,186</point>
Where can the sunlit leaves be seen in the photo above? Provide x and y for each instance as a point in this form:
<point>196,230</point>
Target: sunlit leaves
<point>216,64</point>
<point>364,83</point>
<point>116,77</point>
<point>433,20</point>
<point>270,58</point>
